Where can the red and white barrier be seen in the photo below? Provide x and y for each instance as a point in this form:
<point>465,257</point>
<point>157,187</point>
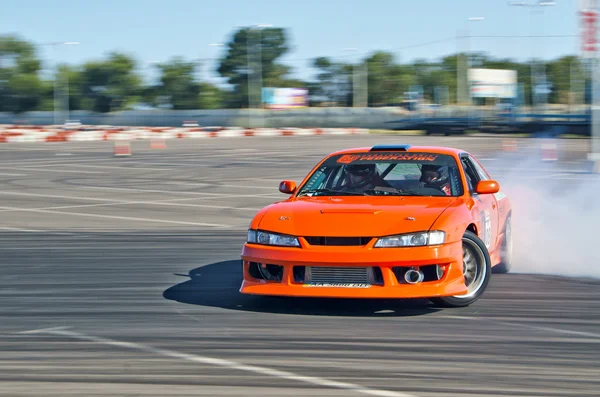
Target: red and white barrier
<point>16,134</point>
<point>122,148</point>
<point>509,145</point>
<point>158,143</point>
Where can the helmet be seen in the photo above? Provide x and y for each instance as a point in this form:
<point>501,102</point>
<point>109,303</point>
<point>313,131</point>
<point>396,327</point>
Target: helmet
<point>434,175</point>
<point>360,174</point>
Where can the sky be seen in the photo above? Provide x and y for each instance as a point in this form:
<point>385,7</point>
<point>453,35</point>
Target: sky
<point>157,30</point>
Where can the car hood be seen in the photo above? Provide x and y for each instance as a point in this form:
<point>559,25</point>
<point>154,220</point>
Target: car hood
<point>353,216</point>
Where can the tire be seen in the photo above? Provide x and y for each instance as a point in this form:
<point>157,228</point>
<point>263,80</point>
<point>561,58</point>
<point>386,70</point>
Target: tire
<point>506,250</point>
<point>478,262</point>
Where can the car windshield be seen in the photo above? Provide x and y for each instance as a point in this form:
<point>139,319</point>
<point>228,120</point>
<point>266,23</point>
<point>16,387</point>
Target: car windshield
<point>385,173</point>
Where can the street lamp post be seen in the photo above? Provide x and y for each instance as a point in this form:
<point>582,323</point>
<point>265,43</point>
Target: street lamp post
<point>589,14</point>
<point>212,59</point>
<point>252,72</point>
<point>54,45</point>
<point>462,70</point>
<point>359,89</point>
<point>533,7</point>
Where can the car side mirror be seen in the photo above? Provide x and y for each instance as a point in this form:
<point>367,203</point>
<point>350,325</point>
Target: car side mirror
<point>288,187</point>
<point>487,187</point>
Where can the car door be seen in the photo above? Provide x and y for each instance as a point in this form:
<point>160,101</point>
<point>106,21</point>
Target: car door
<point>485,210</point>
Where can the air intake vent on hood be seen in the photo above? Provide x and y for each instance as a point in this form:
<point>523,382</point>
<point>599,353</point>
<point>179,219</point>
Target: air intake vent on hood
<point>338,241</point>
<point>388,148</point>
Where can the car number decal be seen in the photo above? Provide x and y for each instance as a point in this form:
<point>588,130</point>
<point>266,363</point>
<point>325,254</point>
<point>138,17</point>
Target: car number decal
<point>487,228</point>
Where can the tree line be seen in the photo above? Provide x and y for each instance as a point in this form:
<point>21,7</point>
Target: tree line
<point>115,83</point>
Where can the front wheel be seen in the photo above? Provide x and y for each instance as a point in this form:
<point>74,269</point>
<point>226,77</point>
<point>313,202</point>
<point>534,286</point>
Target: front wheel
<point>477,268</point>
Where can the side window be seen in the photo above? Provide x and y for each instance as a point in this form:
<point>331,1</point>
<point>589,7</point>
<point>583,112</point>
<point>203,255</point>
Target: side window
<point>480,171</point>
<point>470,173</point>
<point>316,182</point>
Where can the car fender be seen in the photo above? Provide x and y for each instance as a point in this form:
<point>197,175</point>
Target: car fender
<point>454,221</point>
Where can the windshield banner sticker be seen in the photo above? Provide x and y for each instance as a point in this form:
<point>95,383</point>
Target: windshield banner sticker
<point>350,158</point>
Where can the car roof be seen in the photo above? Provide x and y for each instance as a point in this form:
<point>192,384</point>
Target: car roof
<point>401,148</point>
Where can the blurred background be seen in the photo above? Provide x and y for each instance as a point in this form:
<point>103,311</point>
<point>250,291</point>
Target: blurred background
<point>270,64</point>
<point>120,247</point>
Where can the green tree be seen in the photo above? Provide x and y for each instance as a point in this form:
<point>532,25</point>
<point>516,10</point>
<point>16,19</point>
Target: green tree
<point>387,80</point>
<point>178,85</point>
<point>20,86</point>
<point>566,75</point>
<point>238,64</point>
<point>110,84</point>
<point>210,97</point>
<point>333,85</point>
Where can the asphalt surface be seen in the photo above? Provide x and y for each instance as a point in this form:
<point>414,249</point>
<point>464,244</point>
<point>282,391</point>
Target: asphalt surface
<point>120,276</point>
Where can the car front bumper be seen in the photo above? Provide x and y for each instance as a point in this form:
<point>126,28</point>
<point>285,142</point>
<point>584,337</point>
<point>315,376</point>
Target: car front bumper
<point>336,271</point>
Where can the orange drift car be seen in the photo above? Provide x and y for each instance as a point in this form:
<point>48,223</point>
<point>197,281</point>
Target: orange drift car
<point>393,221</point>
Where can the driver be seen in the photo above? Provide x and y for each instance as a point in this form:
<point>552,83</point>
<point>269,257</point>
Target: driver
<point>362,177</point>
<point>437,177</point>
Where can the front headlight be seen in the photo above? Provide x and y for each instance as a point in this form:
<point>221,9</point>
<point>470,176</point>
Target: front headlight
<point>412,239</point>
<point>268,238</point>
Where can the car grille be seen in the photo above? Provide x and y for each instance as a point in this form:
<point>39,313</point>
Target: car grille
<point>341,275</point>
<point>338,241</point>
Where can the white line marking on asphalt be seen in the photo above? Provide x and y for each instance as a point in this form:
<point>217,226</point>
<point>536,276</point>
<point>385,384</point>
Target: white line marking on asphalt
<point>125,167</point>
<point>210,196</point>
<point>17,229</point>
<point>43,330</point>
<point>549,329</point>
<point>158,203</point>
<point>74,160</point>
<point>254,187</point>
<point>216,185</point>
<point>126,218</point>
<point>15,146</point>
<point>85,198</point>
<point>56,171</point>
<point>276,373</point>
<point>110,202</point>
<point>277,180</point>
<point>135,190</point>
<point>9,174</point>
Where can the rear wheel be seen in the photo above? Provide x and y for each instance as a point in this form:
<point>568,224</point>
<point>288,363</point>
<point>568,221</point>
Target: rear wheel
<point>476,270</point>
<point>506,250</point>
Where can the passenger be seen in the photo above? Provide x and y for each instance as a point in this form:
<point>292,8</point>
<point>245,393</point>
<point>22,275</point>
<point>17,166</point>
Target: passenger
<point>437,177</point>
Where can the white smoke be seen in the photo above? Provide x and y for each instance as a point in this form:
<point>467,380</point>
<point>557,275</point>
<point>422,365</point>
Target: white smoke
<point>556,216</point>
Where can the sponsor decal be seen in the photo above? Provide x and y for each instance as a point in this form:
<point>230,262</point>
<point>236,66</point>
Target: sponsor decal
<point>499,196</point>
<point>338,285</point>
<point>350,158</point>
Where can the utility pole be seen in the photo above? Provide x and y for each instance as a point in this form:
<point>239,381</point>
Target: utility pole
<point>255,71</point>
<point>589,19</point>
<point>535,77</point>
<point>56,102</point>
<point>359,82</point>
<point>463,93</point>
